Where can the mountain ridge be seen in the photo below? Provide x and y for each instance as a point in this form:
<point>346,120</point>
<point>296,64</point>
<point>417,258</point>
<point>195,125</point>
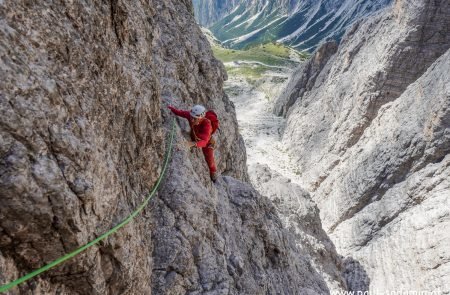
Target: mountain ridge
<point>300,24</point>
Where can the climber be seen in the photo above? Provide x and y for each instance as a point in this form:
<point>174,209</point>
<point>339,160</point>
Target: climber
<point>203,124</point>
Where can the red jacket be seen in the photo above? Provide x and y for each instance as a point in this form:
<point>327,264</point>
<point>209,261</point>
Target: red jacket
<point>201,132</point>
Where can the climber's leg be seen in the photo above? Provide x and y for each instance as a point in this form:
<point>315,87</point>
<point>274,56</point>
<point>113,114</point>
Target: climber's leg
<point>208,152</point>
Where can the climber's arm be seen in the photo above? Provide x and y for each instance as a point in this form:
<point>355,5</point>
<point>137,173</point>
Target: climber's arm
<point>180,113</point>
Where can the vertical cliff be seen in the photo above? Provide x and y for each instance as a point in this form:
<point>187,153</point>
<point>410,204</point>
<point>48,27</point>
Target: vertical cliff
<point>83,120</point>
<point>304,78</point>
<point>369,132</point>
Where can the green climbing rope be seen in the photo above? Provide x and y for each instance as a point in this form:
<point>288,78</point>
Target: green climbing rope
<point>60,260</point>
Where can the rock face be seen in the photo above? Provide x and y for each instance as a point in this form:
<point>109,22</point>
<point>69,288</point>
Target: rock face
<point>371,139</point>
<point>400,234</point>
<point>82,139</point>
<point>224,239</point>
<point>301,215</point>
<point>207,12</point>
<point>304,78</point>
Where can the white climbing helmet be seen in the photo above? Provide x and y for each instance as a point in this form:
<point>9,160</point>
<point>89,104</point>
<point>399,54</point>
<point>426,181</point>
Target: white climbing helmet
<point>198,111</point>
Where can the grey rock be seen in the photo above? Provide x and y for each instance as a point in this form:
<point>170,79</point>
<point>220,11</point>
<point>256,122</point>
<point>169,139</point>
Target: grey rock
<point>300,215</point>
<point>375,63</point>
<point>224,239</point>
<point>371,139</point>
<point>304,78</point>
<point>83,135</point>
<point>83,125</point>
<point>393,215</point>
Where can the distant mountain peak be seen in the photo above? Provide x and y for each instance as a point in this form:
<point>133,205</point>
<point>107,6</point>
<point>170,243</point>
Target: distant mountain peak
<point>300,24</point>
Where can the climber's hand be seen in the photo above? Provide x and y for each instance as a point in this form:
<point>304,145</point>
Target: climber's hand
<point>189,144</point>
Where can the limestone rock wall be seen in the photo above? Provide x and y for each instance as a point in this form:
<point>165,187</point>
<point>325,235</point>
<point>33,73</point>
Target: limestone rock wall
<point>83,125</point>
<point>371,139</point>
<point>402,162</point>
<point>300,215</point>
<point>82,136</point>
<point>225,239</point>
<point>304,78</point>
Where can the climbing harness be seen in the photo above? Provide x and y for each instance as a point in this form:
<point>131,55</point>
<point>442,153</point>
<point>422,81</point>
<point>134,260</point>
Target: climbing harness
<point>60,260</point>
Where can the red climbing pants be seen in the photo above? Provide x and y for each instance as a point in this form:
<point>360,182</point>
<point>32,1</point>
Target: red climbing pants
<point>208,152</point>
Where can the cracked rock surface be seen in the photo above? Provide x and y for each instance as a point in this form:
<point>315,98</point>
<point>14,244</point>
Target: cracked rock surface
<point>371,136</point>
<point>83,124</point>
<point>300,215</point>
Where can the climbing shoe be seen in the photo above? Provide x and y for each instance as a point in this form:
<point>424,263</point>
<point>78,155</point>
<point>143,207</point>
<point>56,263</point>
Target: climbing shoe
<point>214,176</point>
